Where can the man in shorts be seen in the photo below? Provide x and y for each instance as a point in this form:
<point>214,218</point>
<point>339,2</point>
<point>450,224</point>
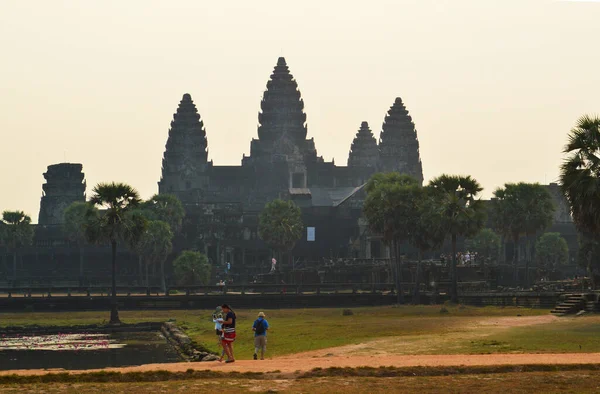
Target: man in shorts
<point>260,328</point>
<point>228,332</point>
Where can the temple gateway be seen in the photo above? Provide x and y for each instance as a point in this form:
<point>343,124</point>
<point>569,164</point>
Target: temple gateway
<point>223,202</point>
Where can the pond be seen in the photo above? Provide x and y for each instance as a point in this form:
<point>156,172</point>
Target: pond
<point>85,350</point>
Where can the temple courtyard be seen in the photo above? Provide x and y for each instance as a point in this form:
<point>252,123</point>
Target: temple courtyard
<point>411,348</point>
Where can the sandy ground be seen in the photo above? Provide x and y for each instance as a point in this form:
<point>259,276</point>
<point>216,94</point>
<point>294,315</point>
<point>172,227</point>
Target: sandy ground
<point>291,365</point>
<point>350,356</point>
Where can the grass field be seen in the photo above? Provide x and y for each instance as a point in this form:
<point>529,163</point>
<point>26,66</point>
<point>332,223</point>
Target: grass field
<point>297,330</point>
<point>419,329</point>
<point>528,382</point>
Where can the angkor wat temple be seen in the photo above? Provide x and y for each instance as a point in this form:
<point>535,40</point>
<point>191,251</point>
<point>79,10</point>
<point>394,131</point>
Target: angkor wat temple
<point>223,201</point>
<point>282,160</point>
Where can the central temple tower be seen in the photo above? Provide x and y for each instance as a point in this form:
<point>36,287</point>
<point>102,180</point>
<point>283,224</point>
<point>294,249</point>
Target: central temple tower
<point>282,133</point>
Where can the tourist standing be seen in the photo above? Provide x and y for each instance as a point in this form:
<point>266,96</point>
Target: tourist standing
<point>228,332</point>
<point>260,327</point>
<point>273,264</point>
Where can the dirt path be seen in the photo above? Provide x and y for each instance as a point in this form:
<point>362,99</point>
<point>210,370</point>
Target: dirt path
<point>291,365</point>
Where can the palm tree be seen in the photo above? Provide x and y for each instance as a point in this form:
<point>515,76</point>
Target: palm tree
<point>391,211</point>
<point>522,208</point>
<point>427,232</point>
<point>461,212</point>
<point>580,177</point>
<point>114,225</point>
<point>75,224</point>
<point>157,241</point>
<point>17,233</point>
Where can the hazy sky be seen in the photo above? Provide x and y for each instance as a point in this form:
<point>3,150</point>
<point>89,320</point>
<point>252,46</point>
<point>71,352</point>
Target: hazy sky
<point>493,86</point>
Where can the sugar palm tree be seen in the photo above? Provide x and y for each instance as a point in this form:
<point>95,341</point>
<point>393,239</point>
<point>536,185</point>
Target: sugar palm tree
<point>580,176</point>
<point>522,208</point>
<point>461,212</point>
<point>75,224</point>
<point>427,233</point>
<point>16,233</point>
<point>157,240</point>
<point>391,211</point>
<point>114,224</point>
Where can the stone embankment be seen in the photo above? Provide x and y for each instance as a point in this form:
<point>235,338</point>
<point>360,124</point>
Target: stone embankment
<point>184,344</point>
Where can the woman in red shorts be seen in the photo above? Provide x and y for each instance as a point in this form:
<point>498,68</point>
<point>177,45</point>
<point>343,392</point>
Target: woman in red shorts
<point>228,332</point>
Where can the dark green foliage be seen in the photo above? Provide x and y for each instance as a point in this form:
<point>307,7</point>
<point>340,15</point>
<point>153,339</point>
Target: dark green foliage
<point>580,175</point>
<point>16,231</point>
<point>192,268</point>
<point>460,210</point>
<point>522,209</point>
<point>165,207</point>
<point>115,224</point>
<point>551,251</point>
<point>76,220</point>
<point>486,244</point>
<point>399,209</point>
<point>280,225</point>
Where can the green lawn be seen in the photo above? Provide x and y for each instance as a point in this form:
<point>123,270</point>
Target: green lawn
<point>298,330</point>
<point>568,335</point>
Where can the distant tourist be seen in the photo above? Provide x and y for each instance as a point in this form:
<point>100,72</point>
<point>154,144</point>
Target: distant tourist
<point>218,320</point>
<point>228,332</point>
<point>273,264</point>
<point>260,328</point>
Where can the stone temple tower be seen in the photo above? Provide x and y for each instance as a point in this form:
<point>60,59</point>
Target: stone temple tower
<point>364,151</point>
<point>64,185</point>
<point>185,161</point>
<point>282,133</point>
<point>398,143</point>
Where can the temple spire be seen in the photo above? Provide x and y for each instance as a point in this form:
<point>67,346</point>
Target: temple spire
<point>363,151</point>
<point>186,153</point>
<point>282,108</point>
<point>398,143</point>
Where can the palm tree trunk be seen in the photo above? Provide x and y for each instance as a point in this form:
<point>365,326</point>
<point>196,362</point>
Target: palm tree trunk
<point>81,259</point>
<point>453,276</point>
<point>114,312</point>
<point>398,272</point>
<point>141,269</point>
<point>515,258</point>
<point>416,299</point>
<point>527,259</point>
<point>15,264</point>
<point>163,283</point>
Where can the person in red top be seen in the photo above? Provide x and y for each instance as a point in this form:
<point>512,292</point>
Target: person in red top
<point>228,332</point>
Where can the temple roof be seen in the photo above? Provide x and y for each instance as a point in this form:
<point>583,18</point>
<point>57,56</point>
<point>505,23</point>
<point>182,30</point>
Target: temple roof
<point>363,151</point>
<point>282,108</point>
<point>398,142</point>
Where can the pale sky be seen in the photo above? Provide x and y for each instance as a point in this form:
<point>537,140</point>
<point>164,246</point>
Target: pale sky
<point>493,86</point>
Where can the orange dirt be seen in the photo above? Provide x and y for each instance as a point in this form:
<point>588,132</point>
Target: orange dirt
<point>290,365</point>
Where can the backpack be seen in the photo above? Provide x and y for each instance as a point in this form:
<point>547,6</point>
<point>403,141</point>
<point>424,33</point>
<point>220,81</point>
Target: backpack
<point>260,327</point>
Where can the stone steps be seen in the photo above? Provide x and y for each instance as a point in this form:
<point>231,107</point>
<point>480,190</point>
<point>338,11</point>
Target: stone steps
<point>573,303</point>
